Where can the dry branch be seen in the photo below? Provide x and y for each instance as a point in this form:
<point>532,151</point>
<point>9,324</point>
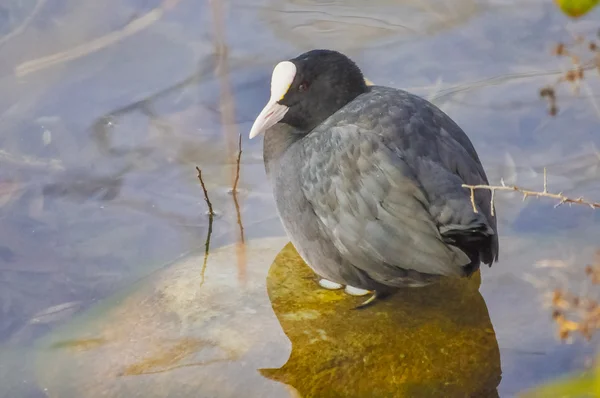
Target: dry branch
<point>211,213</point>
<point>234,191</point>
<point>237,164</point>
<point>527,193</point>
<point>206,251</point>
<point>240,248</point>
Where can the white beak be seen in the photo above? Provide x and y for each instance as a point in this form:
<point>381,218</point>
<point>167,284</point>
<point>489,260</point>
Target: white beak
<point>268,117</point>
<point>273,112</point>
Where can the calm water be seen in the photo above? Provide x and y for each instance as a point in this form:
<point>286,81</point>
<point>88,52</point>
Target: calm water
<point>98,149</point>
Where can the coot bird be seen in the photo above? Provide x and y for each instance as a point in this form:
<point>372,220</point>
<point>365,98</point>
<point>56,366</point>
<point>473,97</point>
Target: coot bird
<point>367,179</point>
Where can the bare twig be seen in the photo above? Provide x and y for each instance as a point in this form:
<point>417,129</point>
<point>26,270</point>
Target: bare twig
<point>206,251</point>
<point>240,246</point>
<point>234,191</point>
<point>211,213</point>
<point>528,192</point>
<point>238,161</point>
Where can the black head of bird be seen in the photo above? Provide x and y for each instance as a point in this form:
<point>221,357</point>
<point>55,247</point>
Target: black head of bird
<point>306,90</point>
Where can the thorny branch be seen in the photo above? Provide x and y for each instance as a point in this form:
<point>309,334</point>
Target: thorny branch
<point>526,193</point>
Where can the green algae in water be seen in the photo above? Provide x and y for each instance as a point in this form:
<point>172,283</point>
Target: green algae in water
<point>423,342</point>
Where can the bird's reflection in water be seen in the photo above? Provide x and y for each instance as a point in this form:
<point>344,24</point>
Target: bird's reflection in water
<point>423,342</point>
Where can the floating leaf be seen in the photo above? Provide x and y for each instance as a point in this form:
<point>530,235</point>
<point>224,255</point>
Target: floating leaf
<point>576,8</point>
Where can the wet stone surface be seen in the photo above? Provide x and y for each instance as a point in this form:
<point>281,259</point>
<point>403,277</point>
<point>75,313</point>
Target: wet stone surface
<point>175,334</point>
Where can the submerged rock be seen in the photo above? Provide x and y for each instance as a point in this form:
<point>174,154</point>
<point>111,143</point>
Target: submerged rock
<point>186,332</point>
<point>436,341</point>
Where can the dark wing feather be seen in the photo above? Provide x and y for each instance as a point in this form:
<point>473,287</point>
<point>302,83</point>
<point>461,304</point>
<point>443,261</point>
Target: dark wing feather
<point>371,206</point>
<point>387,190</point>
<point>444,159</point>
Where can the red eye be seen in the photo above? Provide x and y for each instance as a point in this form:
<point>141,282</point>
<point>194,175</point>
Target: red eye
<point>303,86</point>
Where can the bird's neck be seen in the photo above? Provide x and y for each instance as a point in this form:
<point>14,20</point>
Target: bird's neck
<point>278,139</point>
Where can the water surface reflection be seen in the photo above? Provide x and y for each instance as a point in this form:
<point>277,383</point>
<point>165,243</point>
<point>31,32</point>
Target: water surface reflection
<point>431,342</point>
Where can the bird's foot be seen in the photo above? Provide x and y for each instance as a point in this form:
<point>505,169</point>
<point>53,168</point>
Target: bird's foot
<point>350,290</point>
<point>354,291</point>
<point>368,302</point>
<point>329,285</point>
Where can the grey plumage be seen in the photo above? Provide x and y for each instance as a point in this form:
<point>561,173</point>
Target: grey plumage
<point>372,196</point>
